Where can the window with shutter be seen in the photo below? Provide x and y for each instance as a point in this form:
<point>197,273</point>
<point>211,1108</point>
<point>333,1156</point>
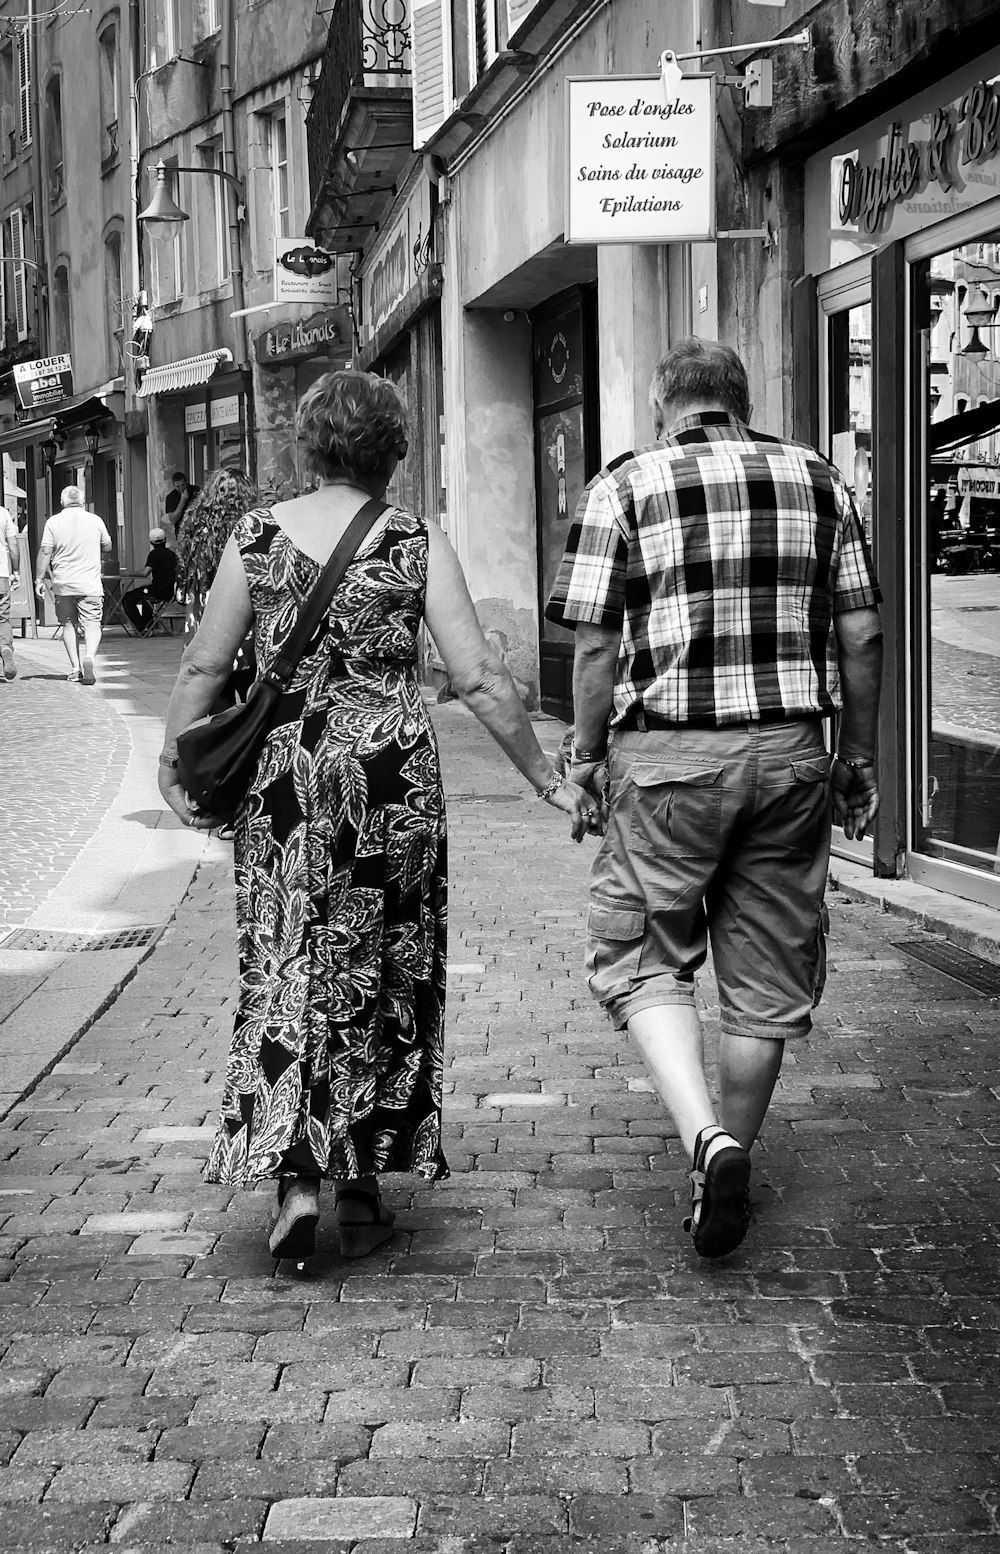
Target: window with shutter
<point>433,76</point>
<point>24,86</point>
<point>15,242</point>
<point>517,13</point>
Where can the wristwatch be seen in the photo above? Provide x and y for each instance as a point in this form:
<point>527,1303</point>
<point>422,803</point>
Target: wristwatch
<point>588,757</point>
<point>856,766</point>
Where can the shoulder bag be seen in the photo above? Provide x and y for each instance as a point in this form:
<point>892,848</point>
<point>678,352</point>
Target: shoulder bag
<point>217,756</point>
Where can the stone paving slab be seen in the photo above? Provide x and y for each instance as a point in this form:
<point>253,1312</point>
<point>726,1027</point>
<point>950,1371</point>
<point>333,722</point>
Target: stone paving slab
<point>88,847</point>
<point>536,1363</point>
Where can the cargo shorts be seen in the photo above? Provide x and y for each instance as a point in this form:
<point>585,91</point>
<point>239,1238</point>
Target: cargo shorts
<point>79,610</point>
<point>720,836</point>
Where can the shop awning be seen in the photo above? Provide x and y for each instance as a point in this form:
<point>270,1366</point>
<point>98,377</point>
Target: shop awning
<point>93,408</point>
<point>959,430</point>
<point>181,375</point>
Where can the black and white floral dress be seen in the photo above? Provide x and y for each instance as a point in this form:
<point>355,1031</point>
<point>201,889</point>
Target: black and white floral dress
<point>341,881</point>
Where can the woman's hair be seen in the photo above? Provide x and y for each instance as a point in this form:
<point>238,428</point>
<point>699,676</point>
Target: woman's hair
<point>226,495</point>
<point>698,370</point>
<point>353,423</point>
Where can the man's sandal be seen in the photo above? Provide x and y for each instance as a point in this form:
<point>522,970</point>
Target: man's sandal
<point>720,1199</point>
<point>361,1234</point>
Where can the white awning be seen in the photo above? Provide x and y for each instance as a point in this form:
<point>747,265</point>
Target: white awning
<point>181,375</point>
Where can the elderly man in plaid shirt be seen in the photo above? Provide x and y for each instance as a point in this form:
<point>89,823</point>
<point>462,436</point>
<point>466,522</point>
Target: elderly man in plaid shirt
<point>724,604</point>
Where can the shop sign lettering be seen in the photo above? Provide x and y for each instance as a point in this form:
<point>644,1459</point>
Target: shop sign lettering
<point>313,336</point>
<point>976,481</point>
<point>395,266</point>
<point>964,133</point>
<point>641,167</point>
<point>388,282</point>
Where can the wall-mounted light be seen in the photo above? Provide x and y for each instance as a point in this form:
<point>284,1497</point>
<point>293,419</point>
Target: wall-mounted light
<point>164,217</point>
<point>92,438</point>
<point>50,451</point>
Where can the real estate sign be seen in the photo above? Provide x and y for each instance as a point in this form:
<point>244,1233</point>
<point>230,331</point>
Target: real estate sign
<point>640,163</point>
<point>44,382</point>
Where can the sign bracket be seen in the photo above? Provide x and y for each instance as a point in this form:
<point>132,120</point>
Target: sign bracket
<point>766,233</point>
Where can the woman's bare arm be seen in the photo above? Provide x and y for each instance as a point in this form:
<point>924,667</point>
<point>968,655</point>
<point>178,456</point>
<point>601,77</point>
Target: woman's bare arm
<point>205,668</point>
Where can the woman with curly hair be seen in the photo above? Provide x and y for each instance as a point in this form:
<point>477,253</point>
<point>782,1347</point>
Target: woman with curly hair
<point>336,1066</point>
<point>211,519</point>
<point>226,496</point>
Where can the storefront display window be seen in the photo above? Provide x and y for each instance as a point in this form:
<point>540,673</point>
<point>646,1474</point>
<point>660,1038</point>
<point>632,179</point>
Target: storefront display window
<point>956,301</point>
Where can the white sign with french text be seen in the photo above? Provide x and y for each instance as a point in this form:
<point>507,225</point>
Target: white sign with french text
<point>640,166</point>
<point>304,273</point>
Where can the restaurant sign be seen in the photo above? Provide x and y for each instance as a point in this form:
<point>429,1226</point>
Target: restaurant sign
<point>322,334</point>
<point>640,165</point>
<point>304,273</point>
<point>45,382</point>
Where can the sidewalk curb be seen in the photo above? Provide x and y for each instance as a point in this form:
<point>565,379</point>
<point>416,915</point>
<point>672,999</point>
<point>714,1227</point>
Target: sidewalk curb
<point>967,924</point>
<point>108,995</point>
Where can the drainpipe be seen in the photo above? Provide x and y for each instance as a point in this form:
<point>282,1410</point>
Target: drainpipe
<point>227,54</point>
<point>38,193</point>
<point>135,286</point>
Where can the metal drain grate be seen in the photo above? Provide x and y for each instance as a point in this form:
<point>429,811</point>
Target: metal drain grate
<point>46,939</point>
<point>972,970</point>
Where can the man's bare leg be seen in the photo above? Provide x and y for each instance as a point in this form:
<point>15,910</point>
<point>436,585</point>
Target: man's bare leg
<point>92,641</point>
<point>670,1038</point>
<point>748,1070</point>
<point>71,645</point>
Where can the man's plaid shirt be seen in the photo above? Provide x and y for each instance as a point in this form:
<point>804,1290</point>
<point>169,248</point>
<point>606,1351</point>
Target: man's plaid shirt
<point>724,555</point>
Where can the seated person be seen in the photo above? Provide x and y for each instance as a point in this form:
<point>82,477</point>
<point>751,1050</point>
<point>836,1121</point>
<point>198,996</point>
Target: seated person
<point>161,565</point>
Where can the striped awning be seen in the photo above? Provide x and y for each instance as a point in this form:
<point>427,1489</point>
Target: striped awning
<point>181,375</point>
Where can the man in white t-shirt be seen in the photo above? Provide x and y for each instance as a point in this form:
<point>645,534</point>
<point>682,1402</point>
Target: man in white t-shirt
<point>10,560</point>
<point>73,545</point>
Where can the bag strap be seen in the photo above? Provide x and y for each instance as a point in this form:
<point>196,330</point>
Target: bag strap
<point>284,665</point>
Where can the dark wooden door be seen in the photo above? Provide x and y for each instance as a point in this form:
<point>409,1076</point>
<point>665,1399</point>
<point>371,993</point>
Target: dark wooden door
<point>564,364</point>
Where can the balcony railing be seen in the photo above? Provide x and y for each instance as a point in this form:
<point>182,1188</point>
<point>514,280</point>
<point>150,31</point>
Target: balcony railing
<point>368,46</point>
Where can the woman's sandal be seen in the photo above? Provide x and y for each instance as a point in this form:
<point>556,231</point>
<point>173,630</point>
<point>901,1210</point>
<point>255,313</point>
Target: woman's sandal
<point>299,1240</point>
<point>720,1198</point>
<point>358,1237</point>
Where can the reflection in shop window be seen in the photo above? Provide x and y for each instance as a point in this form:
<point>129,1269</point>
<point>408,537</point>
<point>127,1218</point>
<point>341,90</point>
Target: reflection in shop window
<point>958,786</point>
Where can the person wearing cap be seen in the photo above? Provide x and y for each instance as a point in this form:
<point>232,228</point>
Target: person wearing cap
<point>161,564</point>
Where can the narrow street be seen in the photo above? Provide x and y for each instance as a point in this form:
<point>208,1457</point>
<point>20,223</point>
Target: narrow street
<point>537,1363</point>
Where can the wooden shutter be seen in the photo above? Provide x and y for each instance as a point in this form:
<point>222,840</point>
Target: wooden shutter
<point>483,33</point>
<point>517,13</point>
<point>15,235</point>
<point>24,85</point>
<point>433,75</point>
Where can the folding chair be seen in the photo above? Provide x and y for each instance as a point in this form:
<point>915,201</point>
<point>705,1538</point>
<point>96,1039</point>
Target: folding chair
<point>164,613</point>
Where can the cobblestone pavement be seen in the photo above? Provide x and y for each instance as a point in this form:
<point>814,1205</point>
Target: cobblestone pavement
<point>537,1363</point>
<point>64,755</point>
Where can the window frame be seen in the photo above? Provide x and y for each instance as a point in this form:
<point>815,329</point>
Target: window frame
<point>279,171</point>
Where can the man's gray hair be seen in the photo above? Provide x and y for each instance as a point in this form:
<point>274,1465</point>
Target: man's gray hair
<point>72,496</point>
<point>694,371</point>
